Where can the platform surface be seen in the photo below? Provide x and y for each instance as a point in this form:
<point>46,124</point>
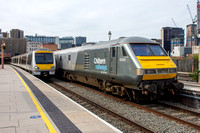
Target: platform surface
<point>50,112</point>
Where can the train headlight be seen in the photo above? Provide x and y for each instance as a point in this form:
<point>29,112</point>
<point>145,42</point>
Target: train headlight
<point>172,70</point>
<point>52,67</point>
<point>150,71</point>
<point>36,67</point>
<point>139,71</point>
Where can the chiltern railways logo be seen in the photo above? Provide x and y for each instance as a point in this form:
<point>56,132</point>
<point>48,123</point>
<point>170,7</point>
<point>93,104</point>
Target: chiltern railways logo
<point>99,63</point>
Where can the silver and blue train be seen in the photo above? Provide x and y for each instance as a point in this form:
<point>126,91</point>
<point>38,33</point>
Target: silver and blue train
<point>132,67</point>
<point>39,63</point>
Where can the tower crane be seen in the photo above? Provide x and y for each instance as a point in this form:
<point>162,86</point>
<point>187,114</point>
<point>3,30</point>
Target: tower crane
<point>174,22</point>
<point>194,20</point>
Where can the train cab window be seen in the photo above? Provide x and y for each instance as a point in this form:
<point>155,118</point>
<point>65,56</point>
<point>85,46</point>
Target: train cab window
<point>44,58</point>
<point>123,52</point>
<point>69,57</point>
<point>148,50</point>
<point>60,58</point>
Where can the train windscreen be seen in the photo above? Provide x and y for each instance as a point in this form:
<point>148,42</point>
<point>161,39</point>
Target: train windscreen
<point>44,58</point>
<point>148,50</point>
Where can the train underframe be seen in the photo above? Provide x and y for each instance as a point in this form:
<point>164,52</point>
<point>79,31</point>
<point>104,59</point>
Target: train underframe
<point>146,90</point>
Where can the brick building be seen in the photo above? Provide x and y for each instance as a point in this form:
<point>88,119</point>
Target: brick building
<point>50,46</point>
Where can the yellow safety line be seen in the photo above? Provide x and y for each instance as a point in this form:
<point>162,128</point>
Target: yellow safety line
<point>44,117</point>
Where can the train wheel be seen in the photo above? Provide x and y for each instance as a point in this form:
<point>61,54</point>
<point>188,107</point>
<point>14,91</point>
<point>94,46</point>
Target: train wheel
<point>101,87</point>
<point>135,96</point>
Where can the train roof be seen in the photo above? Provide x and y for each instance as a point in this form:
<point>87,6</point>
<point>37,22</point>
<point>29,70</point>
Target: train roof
<point>122,40</point>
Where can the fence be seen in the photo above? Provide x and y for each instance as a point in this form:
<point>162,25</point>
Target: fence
<point>185,65</point>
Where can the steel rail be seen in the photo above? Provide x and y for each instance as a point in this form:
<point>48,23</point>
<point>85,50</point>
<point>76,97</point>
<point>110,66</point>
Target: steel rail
<point>126,120</point>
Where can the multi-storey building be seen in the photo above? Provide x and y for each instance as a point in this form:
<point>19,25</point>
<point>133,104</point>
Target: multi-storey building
<point>198,17</point>
<point>66,42</point>
<point>191,32</point>
<point>14,46</point>
<point>43,39</point>
<point>168,33</point>
<point>1,35</point>
<point>16,33</point>
<point>80,40</point>
<point>32,46</point>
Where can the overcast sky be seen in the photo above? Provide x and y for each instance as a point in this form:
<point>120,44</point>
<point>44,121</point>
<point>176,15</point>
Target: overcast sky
<point>94,18</point>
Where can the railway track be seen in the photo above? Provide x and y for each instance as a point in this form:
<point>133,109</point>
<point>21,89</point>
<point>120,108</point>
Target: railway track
<point>192,126</point>
<point>90,104</point>
<point>183,116</point>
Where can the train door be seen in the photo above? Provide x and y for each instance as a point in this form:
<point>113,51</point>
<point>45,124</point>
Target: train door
<point>69,62</point>
<point>113,60</point>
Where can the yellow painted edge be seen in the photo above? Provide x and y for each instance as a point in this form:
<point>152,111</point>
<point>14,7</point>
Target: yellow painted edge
<point>159,76</point>
<point>44,117</point>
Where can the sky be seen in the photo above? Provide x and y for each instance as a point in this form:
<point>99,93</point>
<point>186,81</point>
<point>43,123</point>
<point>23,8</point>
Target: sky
<point>95,18</point>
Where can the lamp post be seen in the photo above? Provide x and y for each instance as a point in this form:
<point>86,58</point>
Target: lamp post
<point>2,54</point>
<point>109,35</point>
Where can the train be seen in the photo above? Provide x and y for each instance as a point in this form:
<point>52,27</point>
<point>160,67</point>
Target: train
<point>136,68</point>
<point>40,63</point>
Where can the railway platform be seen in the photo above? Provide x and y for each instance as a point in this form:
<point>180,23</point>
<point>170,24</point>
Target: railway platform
<point>29,105</point>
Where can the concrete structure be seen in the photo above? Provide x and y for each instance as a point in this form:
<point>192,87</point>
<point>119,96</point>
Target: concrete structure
<point>191,32</point>
<point>16,33</point>
<point>50,46</point>
<point>14,46</point>
<point>32,46</point>
<point>28,105</point>
<point>179,51</point>
<point>66,42</point>
<point>168,33</point>
<point>176,42</point>
<point>80,40</point>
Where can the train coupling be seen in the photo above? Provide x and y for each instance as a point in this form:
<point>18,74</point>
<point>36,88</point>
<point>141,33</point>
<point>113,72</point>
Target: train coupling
<point>151,88</point>
<point>177,85</point>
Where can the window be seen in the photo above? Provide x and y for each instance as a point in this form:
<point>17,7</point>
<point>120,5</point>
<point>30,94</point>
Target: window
<point>29,59</point>
<point>123,52</point>
<point>69,57</point>
<point>148,50</point>
<point>44,58</point>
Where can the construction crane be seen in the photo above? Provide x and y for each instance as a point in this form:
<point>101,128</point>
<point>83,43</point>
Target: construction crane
<point>194,20</point>
<point>174,22</point>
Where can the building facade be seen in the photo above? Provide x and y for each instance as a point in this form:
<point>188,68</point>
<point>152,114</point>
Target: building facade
<point>80,40</point>
<point>43,39</point>
<point>32,46</point>
<point>16,33</point>
<point>191,32</point>
<point>66,42</point>
<point>198,17</point>
<point>168,33</point>
<point>177,42</point>
<point>50,46</point>
<point>14,46</point>
<point>1,35</point>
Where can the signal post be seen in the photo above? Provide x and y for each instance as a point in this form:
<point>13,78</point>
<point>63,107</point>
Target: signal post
<point>2,54</point>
